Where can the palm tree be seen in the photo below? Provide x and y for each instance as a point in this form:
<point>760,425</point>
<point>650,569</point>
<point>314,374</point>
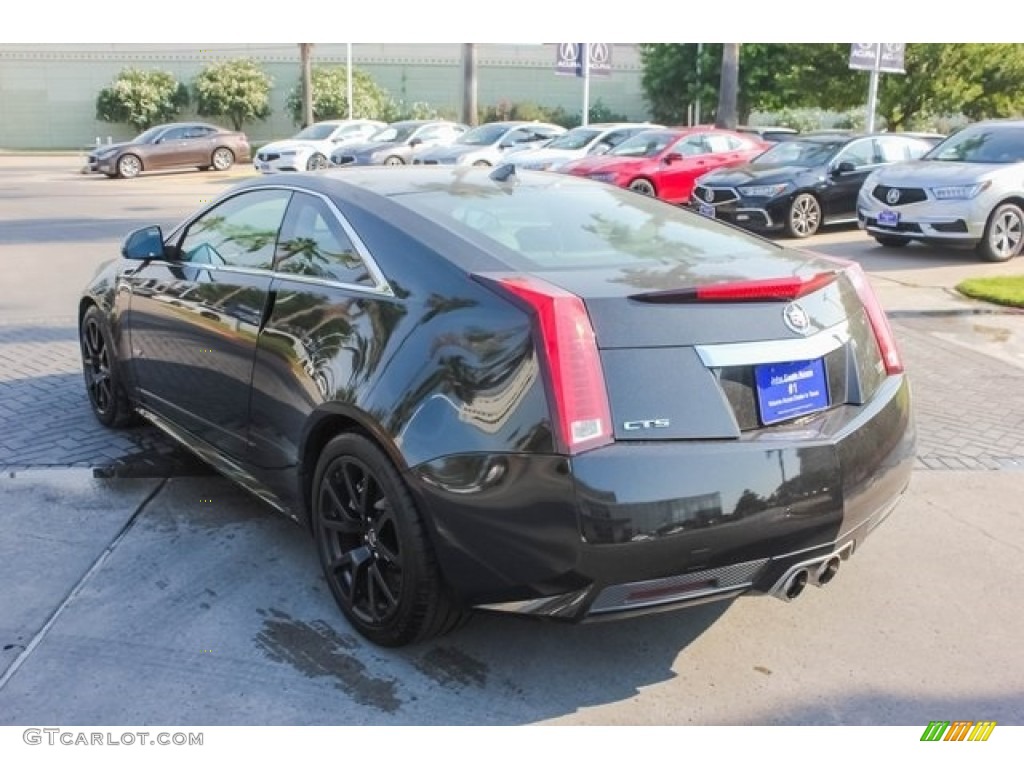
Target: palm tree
<point>728,89</point>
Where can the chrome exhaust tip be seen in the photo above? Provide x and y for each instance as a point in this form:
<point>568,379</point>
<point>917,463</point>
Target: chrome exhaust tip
<point>827,571</point>
<point>795,584</point>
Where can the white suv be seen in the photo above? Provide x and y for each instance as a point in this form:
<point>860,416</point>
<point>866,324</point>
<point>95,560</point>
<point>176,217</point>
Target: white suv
<point>968,190</point>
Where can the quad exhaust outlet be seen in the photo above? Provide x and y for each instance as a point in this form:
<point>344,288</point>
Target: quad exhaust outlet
<point>819,572</point>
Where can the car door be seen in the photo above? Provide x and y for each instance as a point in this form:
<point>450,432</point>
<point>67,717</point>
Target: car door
<point>166,150</point>
<point>839,197</point>
<point>193,320</point>
<point>331,315</point>
<point>681,165</point>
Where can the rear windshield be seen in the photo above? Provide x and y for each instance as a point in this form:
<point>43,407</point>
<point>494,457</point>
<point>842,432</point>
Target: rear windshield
<point>549,228</point>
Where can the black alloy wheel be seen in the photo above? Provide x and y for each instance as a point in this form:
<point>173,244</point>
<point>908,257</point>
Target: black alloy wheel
<point>374,549</point>
<point>108,402</point>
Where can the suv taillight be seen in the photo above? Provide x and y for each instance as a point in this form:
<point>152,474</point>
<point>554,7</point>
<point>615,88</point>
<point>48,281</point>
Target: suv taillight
<point>568,347</point>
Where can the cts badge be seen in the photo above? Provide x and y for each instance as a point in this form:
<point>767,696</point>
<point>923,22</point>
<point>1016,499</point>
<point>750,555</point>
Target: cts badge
<point>631,426</point>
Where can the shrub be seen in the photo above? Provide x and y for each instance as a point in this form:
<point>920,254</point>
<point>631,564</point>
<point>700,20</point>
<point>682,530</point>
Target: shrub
<point>330,96</point>
<point>141,98</point>
<point>237,90</point>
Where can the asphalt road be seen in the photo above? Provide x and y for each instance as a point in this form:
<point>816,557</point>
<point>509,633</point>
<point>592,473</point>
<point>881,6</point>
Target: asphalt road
<point>184,600</point>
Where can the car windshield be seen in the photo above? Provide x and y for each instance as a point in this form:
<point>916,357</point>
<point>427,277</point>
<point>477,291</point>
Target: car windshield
<point>397,133</point>
<point>982,144</point>
<point>315,132</point>
<point>148,137</point>
<point>805,154</point>
<point>484,135</point>
<point>588,226</point>
<point>646,144</point>
<point>577,138</point>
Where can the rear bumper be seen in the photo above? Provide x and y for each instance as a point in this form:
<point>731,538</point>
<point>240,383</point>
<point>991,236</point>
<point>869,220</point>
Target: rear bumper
<point>644,526</point>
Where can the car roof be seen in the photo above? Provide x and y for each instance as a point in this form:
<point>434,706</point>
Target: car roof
<point>390,182</point>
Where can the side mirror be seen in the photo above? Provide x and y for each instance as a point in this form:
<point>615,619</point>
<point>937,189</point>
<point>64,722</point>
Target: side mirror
<point>145,243</point>
<point>601,148</point>
<point>844,167</point>
<point>672,157</point>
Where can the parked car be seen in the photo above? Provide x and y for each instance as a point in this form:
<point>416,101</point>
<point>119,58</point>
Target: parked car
<point>769,133</point>
<point>503,425</point>
<point>930,138</point>
<point>488,144</point>
<point>309,149</point>
<point>593,139</point>
<point>967,191</point>
<point>802,184</point>
<point>397,143</point>
<point>666,163</point>
<point>174,145</point>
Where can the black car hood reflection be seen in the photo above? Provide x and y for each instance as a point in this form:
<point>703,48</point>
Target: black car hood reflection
<point>763,174</point>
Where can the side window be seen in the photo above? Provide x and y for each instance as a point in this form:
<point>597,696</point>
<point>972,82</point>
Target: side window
<point>892,150</point>
<point>718,143</point>
<point>173,134</point>
<point>691,145</point>
<point>314,243</point>
<point>860,153</point>
<point>429,134</point>
<point>240,232</point>
<point>517,136</point>
<point>197,132</point>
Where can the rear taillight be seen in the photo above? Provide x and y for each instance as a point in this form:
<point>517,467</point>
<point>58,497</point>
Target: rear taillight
<point>768,289</point>
<point>569,347</point>
<point>876,315</point>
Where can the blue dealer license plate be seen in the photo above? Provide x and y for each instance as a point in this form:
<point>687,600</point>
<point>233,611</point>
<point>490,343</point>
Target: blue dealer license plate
<point>888,219</point>
<point>707,210</point>
<point>788,390</point>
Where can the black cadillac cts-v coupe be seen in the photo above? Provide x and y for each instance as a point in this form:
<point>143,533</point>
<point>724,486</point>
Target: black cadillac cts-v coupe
<point>514,391</point>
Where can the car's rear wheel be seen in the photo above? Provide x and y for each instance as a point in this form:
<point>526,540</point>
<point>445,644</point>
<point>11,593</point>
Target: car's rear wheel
<point>316,163</point>
<point>99,365</point>
<point>644,187</point>
<point>1004,234</point>
<point>804,216</point>
<point>374,549</point>
<point>891,241</point>
<point>129,166</point>
<point>394,160</point>
<point>222,159</point>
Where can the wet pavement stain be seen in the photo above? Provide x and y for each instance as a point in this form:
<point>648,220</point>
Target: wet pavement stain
<point>316,650</point>
<point>450,666</point>
<point>995,334</point>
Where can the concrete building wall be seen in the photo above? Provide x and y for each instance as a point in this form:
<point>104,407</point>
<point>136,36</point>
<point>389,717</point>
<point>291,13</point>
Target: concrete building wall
<point>48,92</point>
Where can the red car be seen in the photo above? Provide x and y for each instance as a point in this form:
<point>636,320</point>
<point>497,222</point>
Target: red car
<point>665,163</point>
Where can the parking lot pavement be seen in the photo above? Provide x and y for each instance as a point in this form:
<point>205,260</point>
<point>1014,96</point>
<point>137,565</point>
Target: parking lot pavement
<point>210,609</point>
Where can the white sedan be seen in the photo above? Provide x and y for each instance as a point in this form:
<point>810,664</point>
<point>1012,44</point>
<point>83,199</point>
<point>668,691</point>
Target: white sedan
<point>309,149</point>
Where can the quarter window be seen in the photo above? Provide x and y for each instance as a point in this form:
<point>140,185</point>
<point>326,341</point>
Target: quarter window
<point>314,243</point>
<point>240,232</point>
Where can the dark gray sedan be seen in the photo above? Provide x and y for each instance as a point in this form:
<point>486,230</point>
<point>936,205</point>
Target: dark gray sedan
<point>396,144</point>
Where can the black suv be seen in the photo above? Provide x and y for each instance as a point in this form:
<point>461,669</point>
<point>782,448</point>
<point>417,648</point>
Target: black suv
<point>801,184</point>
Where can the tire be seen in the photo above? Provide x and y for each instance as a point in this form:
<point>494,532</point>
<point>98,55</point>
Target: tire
<point>643,187</point>
<point>109,404</point>
<point>1004,234</point>
<point>316,163</point>
<point>222,159</point>
<point>373,547</point>
<point>803,218</point>
<point>394,160</point>
<point>129,166</point>
<point>891,241</point>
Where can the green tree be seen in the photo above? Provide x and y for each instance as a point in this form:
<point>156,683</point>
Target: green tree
<point>330,96</point>
<point>237,89</point>
<point>772,76</point>
<point>980,80</point>
<point>141,98</point>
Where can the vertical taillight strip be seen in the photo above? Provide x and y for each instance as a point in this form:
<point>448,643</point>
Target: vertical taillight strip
<point>876,315</point>
<point>569,347</point>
